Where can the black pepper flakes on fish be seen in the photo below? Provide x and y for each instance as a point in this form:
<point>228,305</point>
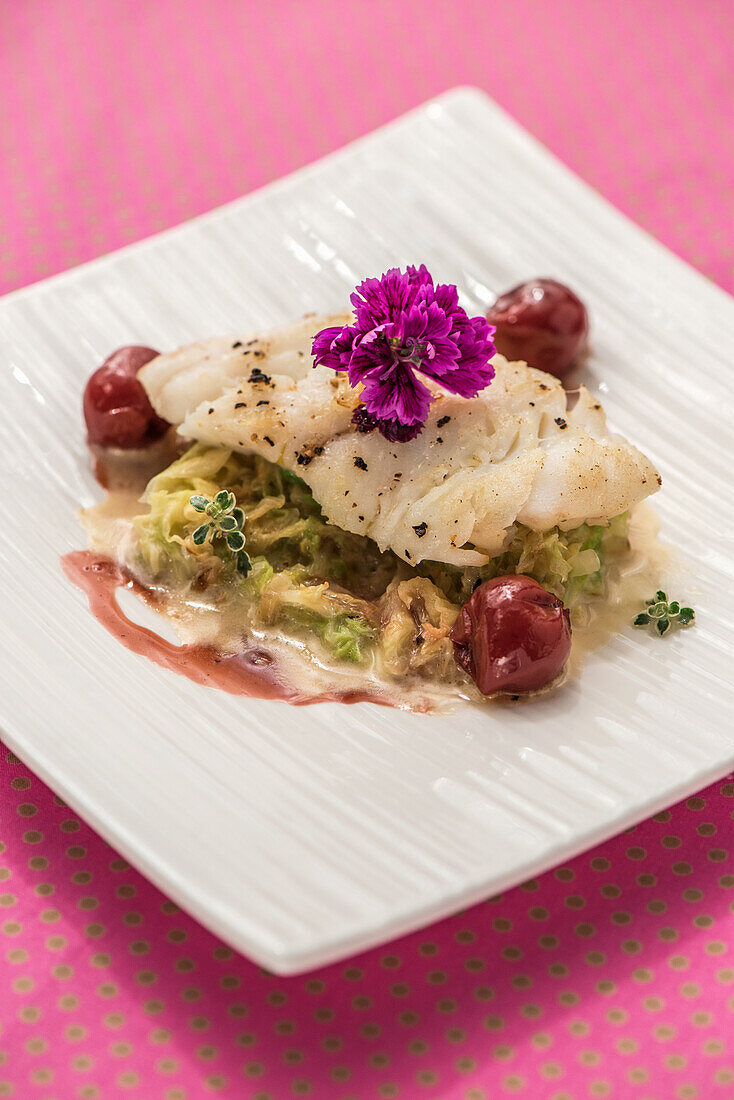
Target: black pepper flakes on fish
<point>360,463</point>
<point>240,404</point>
<point>211,411</point>
<point>268,440</point>
<point>303,460</point>
<point>439,439</point>
<point>444,420</point>
<point>236,344</point>
<point>256,375</point>
<point>561,422</point>
<point>263,402</point>
<point>420,529</point>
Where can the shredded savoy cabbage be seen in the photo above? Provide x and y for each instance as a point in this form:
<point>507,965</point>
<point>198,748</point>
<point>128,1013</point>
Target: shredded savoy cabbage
<point>310,577</point>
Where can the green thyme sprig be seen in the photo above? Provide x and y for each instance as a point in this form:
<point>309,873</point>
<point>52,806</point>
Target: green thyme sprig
<point>224,523</point>
<point>662,615</point>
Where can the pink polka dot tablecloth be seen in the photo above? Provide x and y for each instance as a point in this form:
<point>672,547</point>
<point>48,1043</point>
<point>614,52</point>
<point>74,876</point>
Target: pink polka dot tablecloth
<point>612,976</point>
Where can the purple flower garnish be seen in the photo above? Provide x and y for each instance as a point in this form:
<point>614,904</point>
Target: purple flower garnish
<point>404,326</point>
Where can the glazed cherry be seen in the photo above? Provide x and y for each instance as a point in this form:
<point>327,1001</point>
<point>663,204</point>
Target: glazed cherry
<point>116,407</point>
<point>542,322</point>
<point>512,636</point>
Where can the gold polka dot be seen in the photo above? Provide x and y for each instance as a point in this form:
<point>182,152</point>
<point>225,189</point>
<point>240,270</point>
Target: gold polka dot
<point>113,1020</point>
<point>598,863</point>
<point>713,1047</point>
<point>595,958</point>
<point>11,928</point>
<point>17,955</point>
<point>503,1052</point>
<point>38,863</point>
<point>408,1019</point>
<point>706,828</point>
<point>726,882</point>
<point>70,826</point>
<point>725,976</point>
<point>513,1082</point>
<point>605,987</point>
<point>494,1023</point>
<point>428,949</point>
<point>549,943</point>
<point>107,990</point>
<point>569,998</point>
<point>585,929</point>
<point>538,912</point>
<point>610,890</point>
<point>20,783</point>
<point>715,947</point>
<point>76,851</point>
<point>122,865</point>
<point>511,953</point>
<point>154,1007</point>
<point>558,970</point>
<point>501,924</point>
<point>636,853</point>
<point>120,1050</point>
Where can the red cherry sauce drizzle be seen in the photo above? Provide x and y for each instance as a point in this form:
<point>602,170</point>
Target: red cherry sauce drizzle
<point>251,673</point>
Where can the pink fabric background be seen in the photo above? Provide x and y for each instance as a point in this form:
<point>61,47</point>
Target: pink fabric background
<point>611,977</point>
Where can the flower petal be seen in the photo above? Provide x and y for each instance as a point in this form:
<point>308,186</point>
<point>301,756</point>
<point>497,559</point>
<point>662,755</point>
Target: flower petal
<point>398,395</point>
<point>332,347</point>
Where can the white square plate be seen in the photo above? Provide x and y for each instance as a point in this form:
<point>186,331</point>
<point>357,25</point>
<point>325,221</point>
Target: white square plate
<point>303,835</point>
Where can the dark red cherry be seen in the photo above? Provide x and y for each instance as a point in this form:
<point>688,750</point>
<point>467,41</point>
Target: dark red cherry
<point>512,636</point>
<point>116,407</point>
<point>542,322</point>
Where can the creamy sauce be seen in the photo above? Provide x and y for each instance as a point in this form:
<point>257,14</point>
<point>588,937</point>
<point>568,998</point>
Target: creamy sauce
<point>252,671</point>
<point>649,565</point>
<point>222,650</point>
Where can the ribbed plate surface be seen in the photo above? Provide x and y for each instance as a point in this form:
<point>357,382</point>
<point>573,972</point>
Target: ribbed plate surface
<point>302,835</point>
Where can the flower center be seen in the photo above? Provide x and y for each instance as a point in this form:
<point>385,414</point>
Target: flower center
<point>410,351</point>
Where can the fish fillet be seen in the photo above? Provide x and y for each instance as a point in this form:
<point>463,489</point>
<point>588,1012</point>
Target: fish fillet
<point>514,454</point>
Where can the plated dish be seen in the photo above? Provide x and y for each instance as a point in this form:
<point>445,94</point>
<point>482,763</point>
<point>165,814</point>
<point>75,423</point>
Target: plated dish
<point>301,835</point>
<point>374,506</point>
